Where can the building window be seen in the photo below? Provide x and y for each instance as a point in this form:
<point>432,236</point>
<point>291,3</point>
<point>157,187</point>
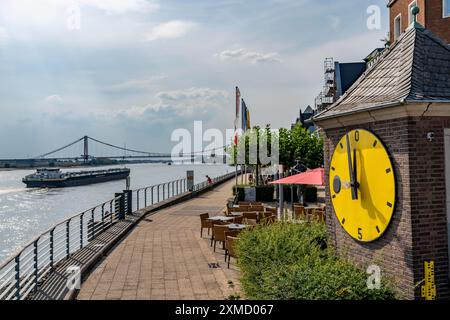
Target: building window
<point>446,8</point>
<point>410,15</point>
<point>397,26</point>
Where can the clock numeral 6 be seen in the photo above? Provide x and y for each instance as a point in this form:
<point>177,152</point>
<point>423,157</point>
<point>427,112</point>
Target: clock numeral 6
<point>360,236</point>
<point>356,135</point>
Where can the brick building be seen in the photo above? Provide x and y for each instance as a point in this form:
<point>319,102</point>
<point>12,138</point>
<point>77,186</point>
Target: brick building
<point>404,99</point>
<point>434,15</point>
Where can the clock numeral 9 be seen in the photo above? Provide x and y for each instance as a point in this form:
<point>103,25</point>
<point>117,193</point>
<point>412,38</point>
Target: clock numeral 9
<point>357,135</point>
<point>360,236</point>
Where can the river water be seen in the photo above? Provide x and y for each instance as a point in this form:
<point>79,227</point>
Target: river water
<point>26,213</point>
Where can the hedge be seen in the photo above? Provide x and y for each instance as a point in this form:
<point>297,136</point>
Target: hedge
<point>287,261</point>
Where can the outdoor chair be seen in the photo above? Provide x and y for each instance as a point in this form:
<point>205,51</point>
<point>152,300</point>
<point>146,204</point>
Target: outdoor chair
<point>228,234</point>
<point>266,214</point>
<point>219,235</point>
<point>216,223</point>
<point>205,223</point>
<point>271,210</point>
<point>257,208</point>
<point>243,203</point>
<point>300,213</point>
<point>243,208</point>
<point>269,220</point>
<point>318,215</point>
<point>231,241</point>
<point>250,222</point>
<point>238,220</point>
<point>251,215</point>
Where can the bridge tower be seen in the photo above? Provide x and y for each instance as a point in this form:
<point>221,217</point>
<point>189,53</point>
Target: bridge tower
<point>86,149</point>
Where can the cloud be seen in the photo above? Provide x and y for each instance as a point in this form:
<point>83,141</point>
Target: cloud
<point>249,56</point>
<point>180,105</point>
<point>54,99</point>
<point>136,84</point>
<point>170,30</point>
<point>122,6</point>
<point>3,35</point>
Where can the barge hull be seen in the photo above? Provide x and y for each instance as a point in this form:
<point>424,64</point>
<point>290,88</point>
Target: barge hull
<point>77,181</point>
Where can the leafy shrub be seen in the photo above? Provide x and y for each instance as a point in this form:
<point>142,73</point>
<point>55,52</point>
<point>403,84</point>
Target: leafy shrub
<point>287,261</point>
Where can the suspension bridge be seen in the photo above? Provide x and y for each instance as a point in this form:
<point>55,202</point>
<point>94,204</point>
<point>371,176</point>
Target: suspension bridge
<point>86,150</point>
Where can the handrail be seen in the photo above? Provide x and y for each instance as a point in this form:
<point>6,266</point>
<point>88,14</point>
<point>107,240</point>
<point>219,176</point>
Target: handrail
<point>22,272</point>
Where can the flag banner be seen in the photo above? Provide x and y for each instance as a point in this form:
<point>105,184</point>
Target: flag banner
<point>244,116</point>
<point>238,108</point>
<point>247,118</point>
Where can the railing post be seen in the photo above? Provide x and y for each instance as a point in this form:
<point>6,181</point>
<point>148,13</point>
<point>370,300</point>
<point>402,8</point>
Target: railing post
<point>137,199</point>
<point>36,274</point>
<point>81,230</point>
<point>17,276</point>
<point>120,205</point>
<point>103,217</point>
<point>158,192</point>
<point>164,191</point>
<point>52,247</point>
<point>178,190</point>
<point>145,197</point>
<point>68,238</point>
<point>129,203</point>
<point>111,211</point>
<point>93,224</point>
<point>152,193</point>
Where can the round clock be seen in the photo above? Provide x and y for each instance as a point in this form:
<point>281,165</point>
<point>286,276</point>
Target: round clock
<point>362,185</point>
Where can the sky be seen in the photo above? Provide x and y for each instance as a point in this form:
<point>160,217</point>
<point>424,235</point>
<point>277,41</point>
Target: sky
<point>132,71</point>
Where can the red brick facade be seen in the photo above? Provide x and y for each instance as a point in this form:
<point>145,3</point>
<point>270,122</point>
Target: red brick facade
<point>430,16</point>
<point>418,231</point>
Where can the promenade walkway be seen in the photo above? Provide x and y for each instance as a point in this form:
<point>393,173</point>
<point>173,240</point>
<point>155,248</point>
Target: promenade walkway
<point>165,258</point>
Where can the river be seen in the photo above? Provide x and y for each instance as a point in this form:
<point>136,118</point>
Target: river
<point>26,213</point>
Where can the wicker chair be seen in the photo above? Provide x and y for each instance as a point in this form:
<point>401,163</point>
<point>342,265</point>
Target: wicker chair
<point>238,220</point>
<point>251,215</point>
<point>230,250</point>
<point>219,235</point>
<point>205,223</point>
<point>233,234</point>
<point>216,223</point>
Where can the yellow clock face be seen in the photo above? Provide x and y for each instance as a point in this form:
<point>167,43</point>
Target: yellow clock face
<point>362,185</point>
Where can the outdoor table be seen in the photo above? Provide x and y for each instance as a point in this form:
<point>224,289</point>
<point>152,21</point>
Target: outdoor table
<point>235,226</point>
<point>236,214</point>
<point>220,218</point>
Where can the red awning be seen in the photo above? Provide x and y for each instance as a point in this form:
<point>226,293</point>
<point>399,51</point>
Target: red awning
<point>311,177</point>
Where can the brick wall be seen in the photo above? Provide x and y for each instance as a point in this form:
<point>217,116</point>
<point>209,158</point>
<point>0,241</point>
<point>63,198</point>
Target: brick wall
<point>401,7</point>
<point>430,17</point>
<point>434,20</point>
<point>418,229</point>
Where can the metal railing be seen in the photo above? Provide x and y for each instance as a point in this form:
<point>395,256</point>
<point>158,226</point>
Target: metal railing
<point>22,273</point>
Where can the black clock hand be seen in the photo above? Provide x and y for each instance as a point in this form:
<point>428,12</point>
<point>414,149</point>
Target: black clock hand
<point>355,175</point>
<point>350,169</point>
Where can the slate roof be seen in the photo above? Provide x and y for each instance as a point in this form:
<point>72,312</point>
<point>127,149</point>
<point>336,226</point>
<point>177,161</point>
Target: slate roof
<point>415,68</point>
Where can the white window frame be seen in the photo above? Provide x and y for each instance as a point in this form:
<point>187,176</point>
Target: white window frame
<point>398,32</point>
<point>410,15</point>
<point>446,8</point>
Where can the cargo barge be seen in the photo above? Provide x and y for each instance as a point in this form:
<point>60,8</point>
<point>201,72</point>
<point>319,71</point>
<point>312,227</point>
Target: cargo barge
<point>54,178</point>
